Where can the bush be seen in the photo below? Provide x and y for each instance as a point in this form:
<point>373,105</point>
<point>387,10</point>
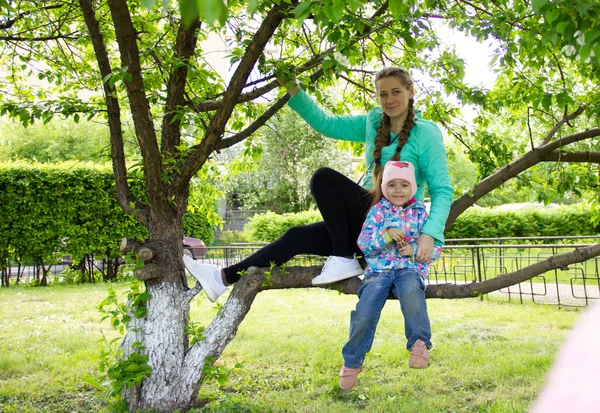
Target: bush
<point>566,220</point>
<point>197,226</point>
<point>474,223</point>
<point>69,209</point>
<point>269,226</point>
<point>229,237</point>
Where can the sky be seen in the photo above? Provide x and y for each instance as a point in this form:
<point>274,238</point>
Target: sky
<point>476,55</point>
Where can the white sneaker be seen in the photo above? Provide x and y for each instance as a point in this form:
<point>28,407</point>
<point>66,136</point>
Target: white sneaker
<point>336,269</point>
<point>209,277</point>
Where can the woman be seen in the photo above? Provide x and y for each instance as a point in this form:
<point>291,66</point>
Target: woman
<point>391,131</point>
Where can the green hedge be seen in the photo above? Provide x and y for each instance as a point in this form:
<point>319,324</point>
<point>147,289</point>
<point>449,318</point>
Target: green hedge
<point>52,210</point>
<point>565,220</point>
<point>269,226</point>
<point>196,225</point>
<point>474,223</point>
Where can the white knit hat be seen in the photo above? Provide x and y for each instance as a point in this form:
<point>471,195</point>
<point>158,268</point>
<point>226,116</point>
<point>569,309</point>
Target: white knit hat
<point>399,170</point>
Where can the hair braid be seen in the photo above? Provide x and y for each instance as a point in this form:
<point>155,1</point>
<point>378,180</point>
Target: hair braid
<point>381,140</point>
<point>406,128</point>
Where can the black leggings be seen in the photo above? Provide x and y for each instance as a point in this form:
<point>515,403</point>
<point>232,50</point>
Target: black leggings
<point>343,204</point>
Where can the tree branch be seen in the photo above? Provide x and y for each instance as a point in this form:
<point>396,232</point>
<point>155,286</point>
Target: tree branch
<point>185,46</point>
<point>216,127</point>
<point>211,105</point>
<point>574,156</point>
<point>37,39</point>
<point>238,137</point>
<point>566,118</point>
<point>511,170</point>
<point>124,195</point>
<point>138,102</point>
<point>560,261</point>
<point>10,23</point>
<point>260,121</point>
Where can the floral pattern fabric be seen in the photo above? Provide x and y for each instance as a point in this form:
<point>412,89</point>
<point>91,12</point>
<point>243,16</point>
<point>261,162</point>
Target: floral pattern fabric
<point>383,256</point>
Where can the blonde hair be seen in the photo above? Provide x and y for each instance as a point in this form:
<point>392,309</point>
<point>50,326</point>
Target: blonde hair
<point>383,131</point>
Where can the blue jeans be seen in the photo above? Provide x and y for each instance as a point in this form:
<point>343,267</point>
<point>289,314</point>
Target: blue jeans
<point>407,285</point>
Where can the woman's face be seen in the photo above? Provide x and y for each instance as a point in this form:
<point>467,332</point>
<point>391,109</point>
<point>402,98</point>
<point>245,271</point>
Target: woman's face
<point>394,97</point>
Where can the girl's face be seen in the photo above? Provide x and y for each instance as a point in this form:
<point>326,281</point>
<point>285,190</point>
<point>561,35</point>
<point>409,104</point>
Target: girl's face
<point>398,192</point>
<point>394,97</point>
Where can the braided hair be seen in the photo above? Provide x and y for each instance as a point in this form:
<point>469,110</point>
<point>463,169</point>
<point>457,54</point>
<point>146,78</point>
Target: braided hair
<point>383,131</point>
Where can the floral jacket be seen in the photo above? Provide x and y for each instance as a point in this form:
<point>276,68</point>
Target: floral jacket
<point>382,256</point>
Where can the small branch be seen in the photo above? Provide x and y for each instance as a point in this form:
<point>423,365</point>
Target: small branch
<point>566,118</point>
<point>37,39</point>
<point>225,143</point>
<point>260,121</point>
<point>529,127</point>
<point>358,85</point>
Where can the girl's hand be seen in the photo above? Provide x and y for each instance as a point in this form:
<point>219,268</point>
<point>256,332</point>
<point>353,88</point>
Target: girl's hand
<point>407,250</point>
<point>396,234</point>
<point>425,250</point>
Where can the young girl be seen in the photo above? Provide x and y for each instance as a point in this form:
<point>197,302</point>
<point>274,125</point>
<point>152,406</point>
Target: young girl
<point>388,240</point>
<point>391,130</point>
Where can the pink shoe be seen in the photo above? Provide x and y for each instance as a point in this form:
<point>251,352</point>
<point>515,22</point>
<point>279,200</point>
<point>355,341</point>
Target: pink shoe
<point>419,356</point>
<point>348,377</point>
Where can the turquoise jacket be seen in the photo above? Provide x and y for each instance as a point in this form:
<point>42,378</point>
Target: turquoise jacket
<point>424,149</point>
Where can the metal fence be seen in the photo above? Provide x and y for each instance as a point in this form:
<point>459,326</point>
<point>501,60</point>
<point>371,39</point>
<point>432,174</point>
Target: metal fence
<point>479,259</point>
<point>465,261</point>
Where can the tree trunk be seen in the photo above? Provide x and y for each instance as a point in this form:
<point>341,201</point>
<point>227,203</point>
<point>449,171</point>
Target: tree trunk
<point>163,335</point>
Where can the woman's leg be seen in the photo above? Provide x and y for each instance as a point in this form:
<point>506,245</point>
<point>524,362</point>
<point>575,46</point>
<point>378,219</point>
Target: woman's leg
<point>344,205</point>
<point>306,239</point>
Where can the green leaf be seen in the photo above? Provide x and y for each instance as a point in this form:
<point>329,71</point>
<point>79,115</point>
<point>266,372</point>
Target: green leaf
<point>585,51</point>
<point>560,27</point>
<point>302,11</point>
<point>252,6</point>
<point>552,15</point>
<point>547,101</point>
<point>94,383</point>
<point>189,11</point>
<point>148,4</point>
<point>561,99</point>
<point>212,10</point>
<point>396,8</point>
<point>538,4</point>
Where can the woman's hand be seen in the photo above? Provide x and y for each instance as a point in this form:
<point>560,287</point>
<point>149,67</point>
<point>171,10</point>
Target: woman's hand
<point>425,248</point>
<point>286,79</point>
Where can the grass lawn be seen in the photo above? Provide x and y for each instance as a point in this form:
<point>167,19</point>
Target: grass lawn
<point>488,356</point>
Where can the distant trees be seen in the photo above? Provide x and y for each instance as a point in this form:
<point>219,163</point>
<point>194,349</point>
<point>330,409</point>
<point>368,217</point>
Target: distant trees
<point>277,163</point>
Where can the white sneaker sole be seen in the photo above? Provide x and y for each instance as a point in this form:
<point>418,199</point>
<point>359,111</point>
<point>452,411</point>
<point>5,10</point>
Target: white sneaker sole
<point>190,265</point>
<point>318,281</point>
